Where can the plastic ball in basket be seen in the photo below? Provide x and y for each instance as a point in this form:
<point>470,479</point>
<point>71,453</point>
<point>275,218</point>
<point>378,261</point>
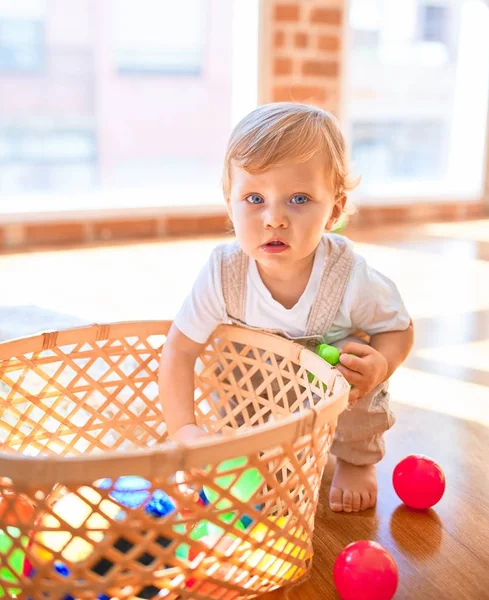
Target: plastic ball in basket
<point>91,503</point>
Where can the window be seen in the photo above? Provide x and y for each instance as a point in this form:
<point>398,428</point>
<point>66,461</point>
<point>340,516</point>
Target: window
<point>366,20</point>
<point>37,160</point>
<point>82,125</point>
<point>21,45</point>
<point>433,23</point>
<point>21,35</point>
<point>24,145</point>
<point>417,106</point>
<point>399,150</point>
<point>159,36</point>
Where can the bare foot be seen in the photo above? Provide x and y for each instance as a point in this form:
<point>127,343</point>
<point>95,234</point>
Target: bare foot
<point>353,487</point>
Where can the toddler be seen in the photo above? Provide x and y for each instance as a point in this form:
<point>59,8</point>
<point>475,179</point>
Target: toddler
<point>285,184</point>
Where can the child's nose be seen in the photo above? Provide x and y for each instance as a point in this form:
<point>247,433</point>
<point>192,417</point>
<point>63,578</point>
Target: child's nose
<point>275,218</point>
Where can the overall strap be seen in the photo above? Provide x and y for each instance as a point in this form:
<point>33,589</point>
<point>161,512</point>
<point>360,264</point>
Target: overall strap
<point>234,272</point>
<point>336,273</point>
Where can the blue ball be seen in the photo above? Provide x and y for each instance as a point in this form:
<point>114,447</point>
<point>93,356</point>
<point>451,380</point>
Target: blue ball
<point>132,491</point>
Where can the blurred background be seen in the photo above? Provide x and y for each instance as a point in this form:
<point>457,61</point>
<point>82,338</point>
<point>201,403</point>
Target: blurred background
<point>120,97</point>
<point>122,108</point>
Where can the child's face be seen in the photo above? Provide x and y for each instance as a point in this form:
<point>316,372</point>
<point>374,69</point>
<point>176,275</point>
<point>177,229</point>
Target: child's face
<point>280,215</point>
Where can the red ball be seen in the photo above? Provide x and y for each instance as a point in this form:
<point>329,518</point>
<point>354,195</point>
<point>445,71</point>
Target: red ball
<point>419,481</point>
<point>365,571</point>
<point>15,508</point>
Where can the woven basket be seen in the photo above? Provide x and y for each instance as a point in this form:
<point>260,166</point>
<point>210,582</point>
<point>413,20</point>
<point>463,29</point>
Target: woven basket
<point>96,502</point>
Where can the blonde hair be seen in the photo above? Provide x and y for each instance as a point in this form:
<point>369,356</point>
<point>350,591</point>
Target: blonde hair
<point>283,132</point>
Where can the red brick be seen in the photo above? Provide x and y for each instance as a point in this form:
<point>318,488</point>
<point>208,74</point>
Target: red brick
<point>330,43</point>
<point>378,215</point>
<point>327,16</point>
<point>195,225</point>
<point>281,94</point>
<point>282,66</point>
<point>111,229</point>
<point>301,40</point>
<point>299,93</point>
<point>323,68</point>
<point>287,12</point>
<point>279,39</point>
<point>51,234</point>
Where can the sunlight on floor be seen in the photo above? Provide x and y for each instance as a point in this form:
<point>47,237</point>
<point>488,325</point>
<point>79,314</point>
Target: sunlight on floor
<point>431,285</point>
<point>143,281</point>
<point>460,399</point>
<point>474,355</point>
<point>151,280</point>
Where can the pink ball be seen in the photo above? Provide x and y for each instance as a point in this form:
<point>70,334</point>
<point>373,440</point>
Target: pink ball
<point>365,571</point>
<point>419,481</point>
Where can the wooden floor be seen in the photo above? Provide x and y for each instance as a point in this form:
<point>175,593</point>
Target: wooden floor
<point>441,554</point>
<point>441,393</point>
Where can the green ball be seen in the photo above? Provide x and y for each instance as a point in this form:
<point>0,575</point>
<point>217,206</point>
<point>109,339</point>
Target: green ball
<point>330,354</point>
<point>204,528</point>
<point>15,559</point>
<point>311,378</point>
<point>242,488</point>
<point>341,224</point>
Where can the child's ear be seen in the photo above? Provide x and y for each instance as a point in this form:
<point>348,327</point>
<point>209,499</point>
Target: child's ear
<point>338,208</point>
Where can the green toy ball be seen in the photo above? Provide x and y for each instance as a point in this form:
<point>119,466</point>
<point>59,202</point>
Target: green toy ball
<point>330,354</point>
<point>15,560</point>
<point>242,485</point>
<point>341,224</point>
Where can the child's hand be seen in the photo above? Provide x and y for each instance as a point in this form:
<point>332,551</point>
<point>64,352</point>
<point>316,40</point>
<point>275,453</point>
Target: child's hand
<point>184,434</point>
<point>364,371</point>
<point>188,433</point>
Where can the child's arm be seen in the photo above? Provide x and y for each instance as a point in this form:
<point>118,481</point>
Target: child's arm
<point>395,346</point>
<point>176,384</point>
<point>375,363</point>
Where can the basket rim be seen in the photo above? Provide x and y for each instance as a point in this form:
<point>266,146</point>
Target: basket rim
<point>170,456</point>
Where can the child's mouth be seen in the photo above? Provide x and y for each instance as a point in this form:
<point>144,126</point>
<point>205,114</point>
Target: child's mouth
<point>274,247</point>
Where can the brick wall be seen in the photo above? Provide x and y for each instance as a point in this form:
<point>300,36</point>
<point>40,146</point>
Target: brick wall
<point>18,237</point>
<point>302,52</point>
<point>98,230</point>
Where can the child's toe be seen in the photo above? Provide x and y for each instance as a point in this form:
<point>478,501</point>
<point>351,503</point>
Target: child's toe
<point>366,501</point>
<point>336,499</point>
<point>347,501</point>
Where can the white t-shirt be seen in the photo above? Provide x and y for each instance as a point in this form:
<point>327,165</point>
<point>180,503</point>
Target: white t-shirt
<point>371,302</point>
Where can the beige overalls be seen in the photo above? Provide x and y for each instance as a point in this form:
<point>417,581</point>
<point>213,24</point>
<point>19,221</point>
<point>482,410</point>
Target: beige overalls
<point>359,435</point>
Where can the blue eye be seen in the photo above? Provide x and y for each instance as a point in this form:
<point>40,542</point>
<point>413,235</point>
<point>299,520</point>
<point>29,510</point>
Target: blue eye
<point>254,199</point>
<point>299,199</point>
